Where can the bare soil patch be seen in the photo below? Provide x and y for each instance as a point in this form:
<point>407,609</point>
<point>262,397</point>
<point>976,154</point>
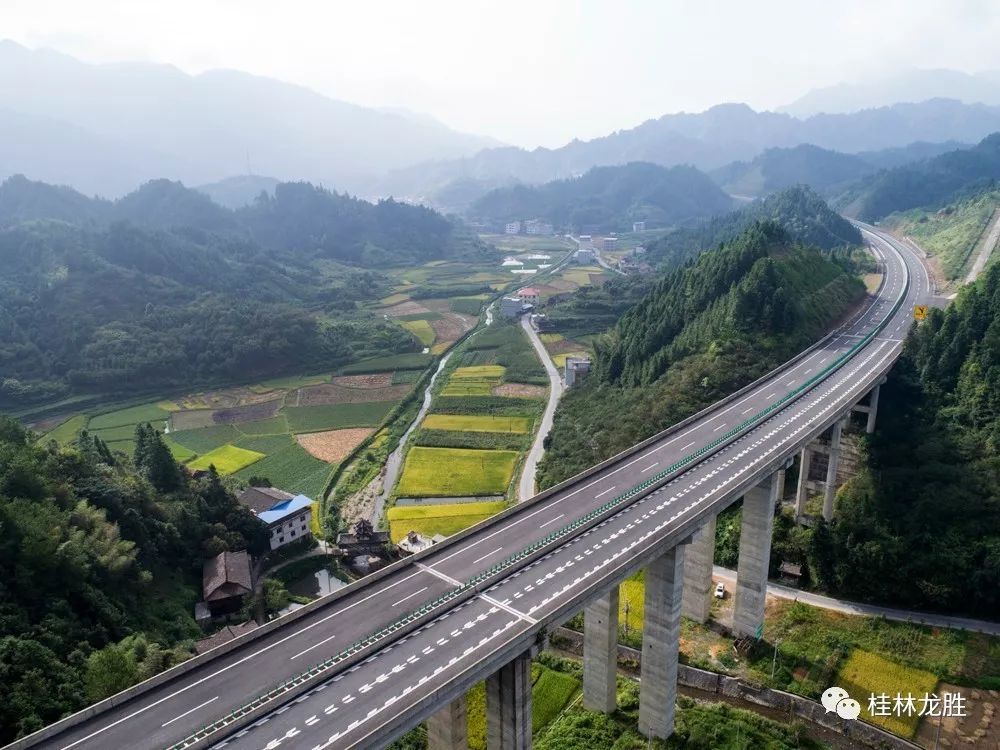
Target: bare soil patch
<point>247,413</point>
<point>374,380</point>
<point>191,419</point>
<point>405,308</point>
<point>979,728</point>
<point>563,347</point>
<point>315,395</point>
<point>451,326</point>
<point>521,390</point>
<point>333,445</point>
<point>226,398</point>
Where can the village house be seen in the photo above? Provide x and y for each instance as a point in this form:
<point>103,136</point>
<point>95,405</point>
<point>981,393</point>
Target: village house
<point>226,581</point>
<point>288,521</point>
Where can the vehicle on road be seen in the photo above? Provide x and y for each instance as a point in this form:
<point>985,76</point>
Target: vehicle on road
<point>720,590</point>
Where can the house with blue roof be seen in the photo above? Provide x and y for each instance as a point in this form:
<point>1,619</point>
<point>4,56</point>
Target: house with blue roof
<point>288,520</point>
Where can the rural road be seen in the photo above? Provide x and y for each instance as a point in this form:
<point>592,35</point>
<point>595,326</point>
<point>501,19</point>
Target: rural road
<point>991,236</point>
<point>869,610</point>
<point>527,487</point>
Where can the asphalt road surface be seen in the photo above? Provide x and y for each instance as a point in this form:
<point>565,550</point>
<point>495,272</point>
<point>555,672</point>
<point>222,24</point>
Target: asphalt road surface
<point>347,709</point>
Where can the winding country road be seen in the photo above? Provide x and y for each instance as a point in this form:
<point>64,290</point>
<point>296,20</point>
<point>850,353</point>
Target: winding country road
<point>526,488</point>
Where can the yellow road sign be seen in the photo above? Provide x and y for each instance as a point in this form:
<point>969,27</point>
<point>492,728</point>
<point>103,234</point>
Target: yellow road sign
<point>919,312</point>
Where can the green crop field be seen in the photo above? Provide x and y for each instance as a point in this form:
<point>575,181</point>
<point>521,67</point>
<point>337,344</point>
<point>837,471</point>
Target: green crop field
<point>402,377</point>
<point>265,443</point>
<point>227,459</point>
<point>474,380</point>
<point>498,405</point>
<point>66,432</point>
<point>421,329</point>
<point>476,423</point>
<point>409,361</point>
<point>446,519</point>
<point>865,673</point>
<point>178,451</point>
<point>292,469</point>
<point>206,439</point>
<point>114,434</point>
<point>478,371</point>
<point>467,305</point>
<point>131,416</point>
<point>456,472</point>
<point>337,416</point>
<point>272,426</point>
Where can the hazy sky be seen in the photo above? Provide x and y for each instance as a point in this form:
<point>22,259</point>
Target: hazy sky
<point>529,72</point>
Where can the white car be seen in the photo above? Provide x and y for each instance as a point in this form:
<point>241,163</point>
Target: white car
<point>720,591</point>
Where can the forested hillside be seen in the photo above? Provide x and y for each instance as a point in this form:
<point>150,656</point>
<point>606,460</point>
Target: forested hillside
<point>703,331</point>
<point>780,168</point>
<point>165,288</point>
<point>799,210</point>
<point>608,199</point>
<point>927,183</point>
<point>102,563</point>
<point>932,484</point>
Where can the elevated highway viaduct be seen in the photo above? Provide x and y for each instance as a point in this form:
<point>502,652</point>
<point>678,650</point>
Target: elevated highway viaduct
<point>360,667</point>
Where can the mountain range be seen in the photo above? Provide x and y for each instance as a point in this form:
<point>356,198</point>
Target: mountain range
<point>707,140</point>
<point>105,128</point>
<point>908,86</point>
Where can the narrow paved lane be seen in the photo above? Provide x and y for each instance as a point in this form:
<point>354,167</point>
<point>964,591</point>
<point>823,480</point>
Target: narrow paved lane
<point>527,486</point>
<point>869,610</point>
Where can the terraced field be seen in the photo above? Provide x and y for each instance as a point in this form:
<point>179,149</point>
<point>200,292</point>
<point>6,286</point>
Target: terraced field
<point>292,431</point>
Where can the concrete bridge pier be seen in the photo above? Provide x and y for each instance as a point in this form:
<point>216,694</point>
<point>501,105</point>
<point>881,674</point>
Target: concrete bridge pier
<point>600,654</point>
<point>872,409</point>
<point>660,641</point>
<point>755,555</point>
<point>802,490</point>
<point>830,488</point>
<point>508,706</point>
<point>696,599</point>
<point>448,728</point>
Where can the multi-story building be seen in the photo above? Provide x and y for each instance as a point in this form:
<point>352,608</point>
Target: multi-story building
<point>288,521</point>
<point>512,227</point>
<point>576,369</point>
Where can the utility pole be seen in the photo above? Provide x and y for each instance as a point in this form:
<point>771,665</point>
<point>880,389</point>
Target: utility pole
<point>774,660</point>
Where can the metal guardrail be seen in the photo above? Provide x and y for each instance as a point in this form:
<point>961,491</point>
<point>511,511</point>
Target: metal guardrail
<point>471,584</point>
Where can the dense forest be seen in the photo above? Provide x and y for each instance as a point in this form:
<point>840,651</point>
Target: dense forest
<point>926,183</point>
<point>608,199</point>
<point>165,288</point>
<point>701,332</point>
<point>799,210</point>
<point>778,168</point>
<point>101,556</point>
<point>933,477</point>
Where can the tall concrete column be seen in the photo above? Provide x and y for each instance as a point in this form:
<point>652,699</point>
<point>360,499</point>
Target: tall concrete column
<point>802,492</point>
<point>448,728</point>
<point>755,555</point>
<point>830,490</point>
<point>600,654</point>
<point>508,706</point>
<point>696,600</point>
<point>660,640</point>
<point>872,409</point>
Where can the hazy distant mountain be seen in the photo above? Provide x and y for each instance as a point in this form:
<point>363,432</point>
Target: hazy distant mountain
<point>609,198</point>
<point>238,191</point>
<point>708,140</point>
<point>827,172</point>
<point>913,86</point>
<point>778,168</point>
<point>104,128</point>
<point>926,183</point>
